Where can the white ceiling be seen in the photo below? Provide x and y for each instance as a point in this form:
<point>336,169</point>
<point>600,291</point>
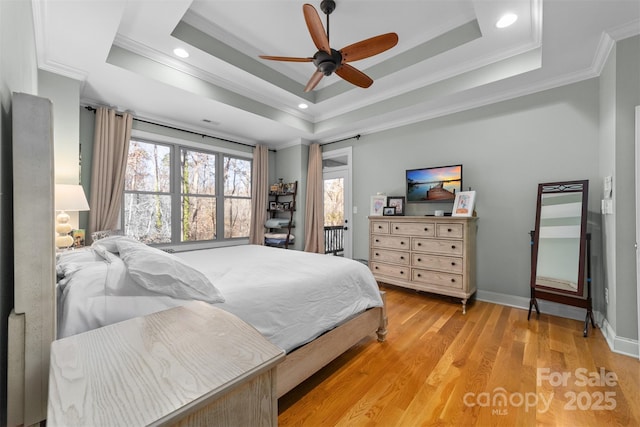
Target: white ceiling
<point>450,57</point>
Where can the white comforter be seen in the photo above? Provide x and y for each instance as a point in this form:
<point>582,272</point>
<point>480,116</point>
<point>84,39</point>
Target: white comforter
<point>291,297</point>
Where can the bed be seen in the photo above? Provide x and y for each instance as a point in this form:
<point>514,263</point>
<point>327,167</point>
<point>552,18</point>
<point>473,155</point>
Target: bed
<point>292,298</point>
<point>32,323</point>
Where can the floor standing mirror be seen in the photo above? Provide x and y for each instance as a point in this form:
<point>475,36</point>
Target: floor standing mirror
<point>560,257</point>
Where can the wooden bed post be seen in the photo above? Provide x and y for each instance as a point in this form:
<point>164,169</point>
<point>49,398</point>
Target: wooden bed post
<point>384,321</point>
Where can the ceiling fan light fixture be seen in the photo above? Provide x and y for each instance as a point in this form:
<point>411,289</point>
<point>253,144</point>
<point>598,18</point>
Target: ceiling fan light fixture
<point>303,106</point>
<point>506,20</point>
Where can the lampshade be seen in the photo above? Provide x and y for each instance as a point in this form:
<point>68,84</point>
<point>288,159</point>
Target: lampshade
<point>70,198</point>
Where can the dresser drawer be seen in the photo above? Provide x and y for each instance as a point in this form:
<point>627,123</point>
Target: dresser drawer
<point>446,247</point>
<point>437,278</point>
<point>380,227</point>
<point>454,231</point>
<point>413,229</point>
<point>392,257</point>
<point>390,242</point>
<point>396,271</point>
<point>443,263</point>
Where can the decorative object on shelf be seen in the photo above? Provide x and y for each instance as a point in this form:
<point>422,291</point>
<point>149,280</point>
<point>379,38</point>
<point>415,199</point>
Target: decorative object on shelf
<point>389,211</point>
<point>67,198</point>
<point>396,202</point>
<point>282,205</point>
<point>378,202</point>
<point>464,203</point>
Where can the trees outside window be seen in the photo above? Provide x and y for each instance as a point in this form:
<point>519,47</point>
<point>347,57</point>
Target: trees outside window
<point>165,203</point>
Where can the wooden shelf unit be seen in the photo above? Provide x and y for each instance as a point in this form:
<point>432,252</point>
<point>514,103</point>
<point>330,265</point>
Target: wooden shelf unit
<point>286,194</point>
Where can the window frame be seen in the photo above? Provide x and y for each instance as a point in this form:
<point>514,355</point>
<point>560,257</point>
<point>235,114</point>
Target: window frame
<point>175,192</point>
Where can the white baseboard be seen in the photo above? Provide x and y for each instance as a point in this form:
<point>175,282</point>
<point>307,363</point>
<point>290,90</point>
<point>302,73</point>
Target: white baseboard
<point>621,345</point>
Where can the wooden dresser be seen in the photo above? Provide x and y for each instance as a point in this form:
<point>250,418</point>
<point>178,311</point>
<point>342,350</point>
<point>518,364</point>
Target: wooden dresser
<point>426,253</point>
<point>195,365</point>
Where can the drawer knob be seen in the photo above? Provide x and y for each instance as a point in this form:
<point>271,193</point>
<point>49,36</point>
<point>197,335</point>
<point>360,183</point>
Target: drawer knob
<point>379,227</point>
<point>402,243</point>
<point>396,227</point>
<point>377,240</point>
<point>419,259</point>
<point>419,244</point>
<point>453,246</point>
<point>449,230</point>
<point>453,280</point>
<point>453,263</point>
<point>377,254</point>
<point>376,267</point>
<point>419,275</point>
<point>401,257</point>
<point>426,229</point>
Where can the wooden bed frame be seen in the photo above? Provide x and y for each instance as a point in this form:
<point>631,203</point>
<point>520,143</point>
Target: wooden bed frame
<point>32,324</point>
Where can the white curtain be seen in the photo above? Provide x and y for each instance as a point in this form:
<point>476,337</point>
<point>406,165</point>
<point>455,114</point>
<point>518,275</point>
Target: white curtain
<point>259,194</point>
<point>110,152</point>
<point>314,225</point>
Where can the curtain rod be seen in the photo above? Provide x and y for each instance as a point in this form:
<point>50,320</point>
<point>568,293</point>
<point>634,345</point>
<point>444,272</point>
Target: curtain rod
<point>357,137</point>
<point>90,108</point>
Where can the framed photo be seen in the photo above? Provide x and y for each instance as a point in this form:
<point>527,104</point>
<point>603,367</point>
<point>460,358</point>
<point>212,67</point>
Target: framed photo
<point>273,206</point>
<point>286,205</point>
<point>377,204</point>
<point>78,238</point>
<point>396,202</point>
<point>464,203</point>
<point>388,211</point>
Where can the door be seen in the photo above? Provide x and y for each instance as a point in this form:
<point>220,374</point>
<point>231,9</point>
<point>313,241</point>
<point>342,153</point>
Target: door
<point>336,173</point>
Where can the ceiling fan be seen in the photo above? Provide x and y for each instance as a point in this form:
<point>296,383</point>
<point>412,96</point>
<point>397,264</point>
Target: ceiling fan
<point>328,60</point>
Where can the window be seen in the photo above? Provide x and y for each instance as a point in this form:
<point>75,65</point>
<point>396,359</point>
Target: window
<point>174,195</point>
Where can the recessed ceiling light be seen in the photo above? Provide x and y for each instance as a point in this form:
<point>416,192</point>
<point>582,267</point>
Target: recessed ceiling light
<point>506,20</point>
<point>180,52</point>
<point>303,106</point>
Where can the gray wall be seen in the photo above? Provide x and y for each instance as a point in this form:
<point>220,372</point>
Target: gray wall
<point>506,149</point>
<point>620,93</point>
<point>18,73</point>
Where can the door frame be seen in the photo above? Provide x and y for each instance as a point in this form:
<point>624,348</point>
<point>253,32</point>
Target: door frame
<point>346,173</point>
<point>637,173</point>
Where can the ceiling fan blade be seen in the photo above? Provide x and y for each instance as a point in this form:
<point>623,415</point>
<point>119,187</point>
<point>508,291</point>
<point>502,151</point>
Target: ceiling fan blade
<point>286,58</point>
<point>354,76</point>
<point>314,24</point>
<point>369,47</point>
<point>313,81</point>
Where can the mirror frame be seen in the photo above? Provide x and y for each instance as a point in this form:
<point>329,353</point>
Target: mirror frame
<point>581,186</point>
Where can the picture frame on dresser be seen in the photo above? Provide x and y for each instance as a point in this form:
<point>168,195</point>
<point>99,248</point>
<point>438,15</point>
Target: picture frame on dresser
<point>378,202</point>
<point>389,211</point>
<point>464,204</point>
<point>398,203</point>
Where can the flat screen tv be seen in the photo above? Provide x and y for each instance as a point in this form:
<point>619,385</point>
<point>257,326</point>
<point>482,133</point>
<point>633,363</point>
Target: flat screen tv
<point>436,184</point>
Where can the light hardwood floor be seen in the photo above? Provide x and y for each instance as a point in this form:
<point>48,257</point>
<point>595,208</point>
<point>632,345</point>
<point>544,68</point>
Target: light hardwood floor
<point>488,367</point>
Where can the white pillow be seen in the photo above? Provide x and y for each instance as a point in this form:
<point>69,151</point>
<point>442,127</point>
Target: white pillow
<point>161,272</point>
<point>110,243</point>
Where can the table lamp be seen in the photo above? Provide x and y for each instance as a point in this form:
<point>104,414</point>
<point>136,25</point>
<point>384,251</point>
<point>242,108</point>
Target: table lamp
<point>68,198</point>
